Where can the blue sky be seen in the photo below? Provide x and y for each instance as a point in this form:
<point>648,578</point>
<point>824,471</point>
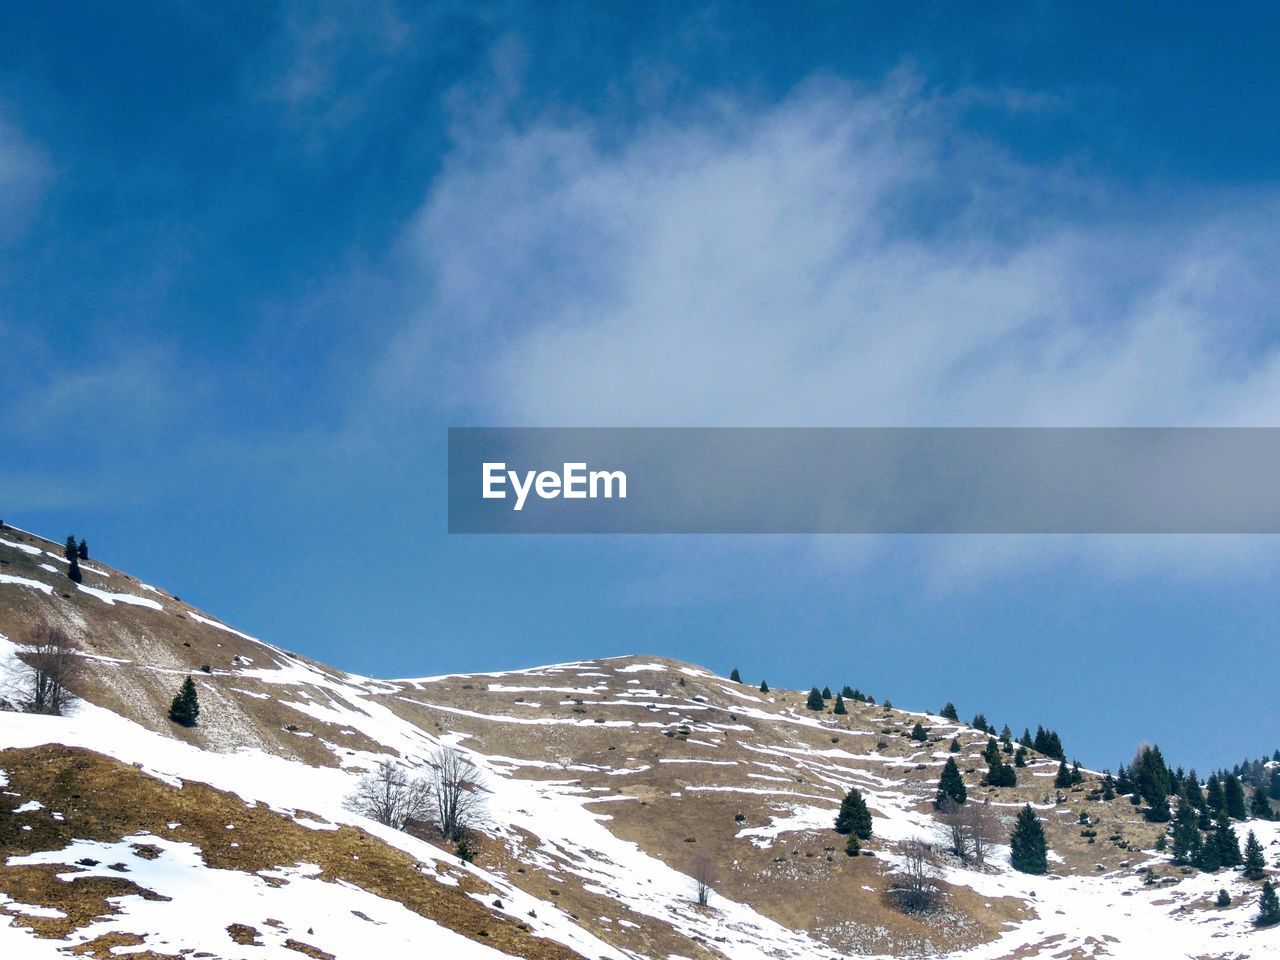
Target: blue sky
<point>256,258</point>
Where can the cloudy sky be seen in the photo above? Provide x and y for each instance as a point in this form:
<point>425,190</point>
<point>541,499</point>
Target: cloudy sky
<point>256,258</point>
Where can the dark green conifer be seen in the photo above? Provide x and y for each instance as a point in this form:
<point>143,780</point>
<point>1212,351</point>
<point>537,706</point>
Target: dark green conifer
<point>1063,779</point>
<point>951,784</point>
<point>764,686</point>
<point>919,734</point>
<point>1268,906</point>
<point>185,709</point>
<point>840,709</point>
<point>1029,852</point>
<point>815,701</point>
<point>854,817</point>
<point>1233,796</point>
<point>735,676</point>
<point>1254,861</point>
<point>949,712</point>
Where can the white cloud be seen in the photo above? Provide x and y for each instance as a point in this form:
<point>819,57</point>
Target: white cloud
<point>845,257</point>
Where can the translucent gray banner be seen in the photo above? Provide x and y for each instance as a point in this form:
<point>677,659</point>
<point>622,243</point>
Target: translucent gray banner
<point>864,480</point>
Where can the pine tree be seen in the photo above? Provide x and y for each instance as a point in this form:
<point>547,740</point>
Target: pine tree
<point>955,745</point>
<point>949,712</point>
<point>1020,756</point>
<point>73,570</point>
<point>1186,841</point>
<point>951,784</point>
<point>1273,788</point>
<point>991,751</point>
<point>815,701</point>
<point>1123,784</point>
<point>1214,796</point>
<point>1025,740</point>
<point>764,686</point>
<point>1254,861</point>
<point>919,734</point>
<point>1259,806</point>
<point>854,817</point>
<point>1268,906</point>
<point>1208,856</point>
<point>1224,898</point>
<point>853,846</point>
<point>840,709</point>
<point>1029,851</point>
<point>1076,776</point>
<point>735,676</point>
<point>1108,787</point>
<point>826,693</point>
<point>1233,795</point>
<point>1228,843</point>
<point>185,709</point>
<point>1000,774</point>
<point>82,551</point>
<point>848,692</point>
<point>979,722</point>
<point>71,551</point>
<point>1063,779</point>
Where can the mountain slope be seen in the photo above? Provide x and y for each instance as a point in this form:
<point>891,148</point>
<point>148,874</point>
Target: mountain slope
<point>607,784</point>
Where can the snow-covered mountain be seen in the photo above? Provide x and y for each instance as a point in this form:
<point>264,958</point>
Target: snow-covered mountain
<point>607,785</point>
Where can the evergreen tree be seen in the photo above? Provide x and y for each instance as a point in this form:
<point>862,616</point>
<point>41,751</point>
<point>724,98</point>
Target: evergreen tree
<point>919,734</point>
<point>1208,857</point>
<point>951,784</point>
<point>1214,796</point>
<point>71,551</point>
<point>185,709</point>
<point>840,710</point>
<point>991,751</point>
<point>1108,787</point>
<point>1268,906</point>
<point>1020,756</point>
<point>1228,844</point>
<point>1260,807</point>
<point>1000,774</point>
<point>1076,776</point>
<point>82,551</point>
<point>853,846</point>
<point>1048,743</point>
<point>1029,850</point>
<point>1254,862</point>
<point>955,745</point>
<point>1186,841</point>
<point>854,817</point>
<point>1194,793</point>
<point>764,686</point>
<point>1063,779</point>
<point>1273,788</point>
<point>1224,898</point>
<point>949,712</point>
<point>979,722</point>
<point>826,693</point>
<point>1025,739</point>
<point>1158,812</point>
<point>1151,777</point>
<point>73,570</point>
<point>1233,796</point>
<point>1123,784</point>
<point>735,676</point>
<point>815,701</point>
<point>848,692</point>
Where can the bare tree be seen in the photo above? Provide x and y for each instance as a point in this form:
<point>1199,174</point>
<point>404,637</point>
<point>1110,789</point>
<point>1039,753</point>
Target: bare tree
<point>50,663</point>
<point>391,795</point>
<point>959,835</point>
<point>454,788</point>
<point>703,878</point>
<point>915,887</point>
<point>983,829</point>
